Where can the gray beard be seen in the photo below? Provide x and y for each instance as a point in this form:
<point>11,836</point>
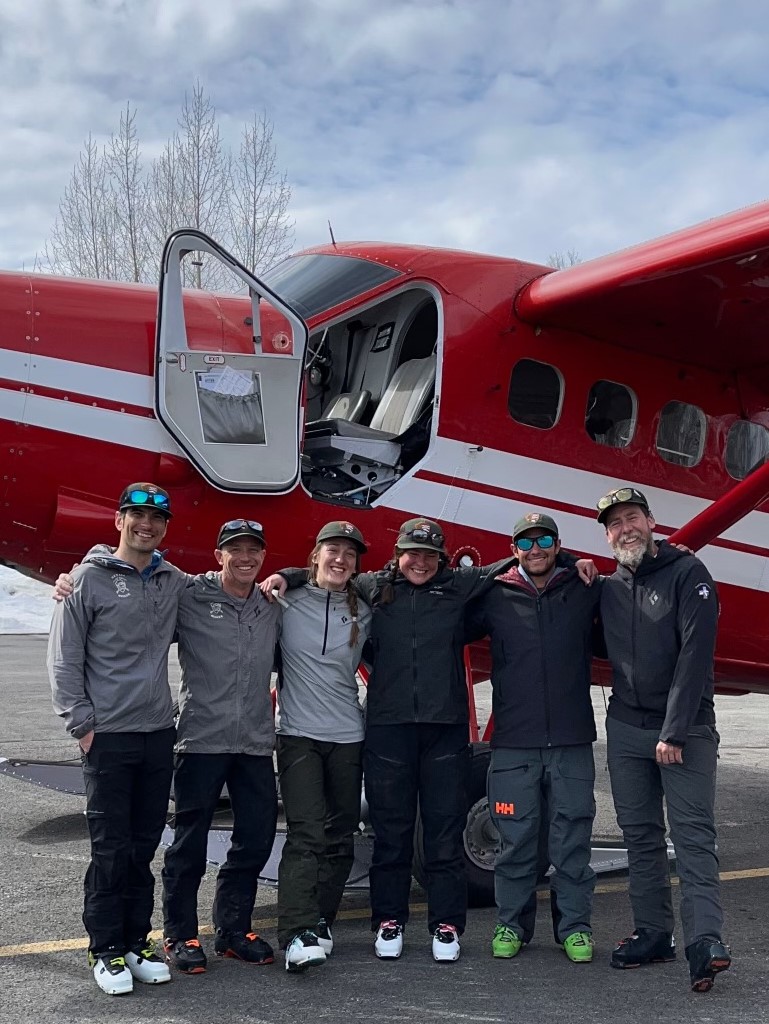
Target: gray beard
<point>631,559</point>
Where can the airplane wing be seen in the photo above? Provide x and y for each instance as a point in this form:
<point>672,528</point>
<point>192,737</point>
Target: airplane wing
<point>700,295</point>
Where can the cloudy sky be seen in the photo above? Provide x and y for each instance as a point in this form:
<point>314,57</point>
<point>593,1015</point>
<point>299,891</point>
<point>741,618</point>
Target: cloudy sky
<point>520,127</point>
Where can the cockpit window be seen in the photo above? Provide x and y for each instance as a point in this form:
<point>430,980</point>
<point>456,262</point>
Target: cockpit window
<point>319,281</point>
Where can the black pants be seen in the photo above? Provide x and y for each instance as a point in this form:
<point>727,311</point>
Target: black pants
<point>198,783</point>
<point>127,783</point>
<point>403,764</point>
<point>320,783</point>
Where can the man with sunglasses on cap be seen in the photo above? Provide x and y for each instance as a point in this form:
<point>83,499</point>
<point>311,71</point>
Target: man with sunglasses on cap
<point>226,633</point>
<point>660,616</point>
<point>108,665</point>
<point>541,619</point>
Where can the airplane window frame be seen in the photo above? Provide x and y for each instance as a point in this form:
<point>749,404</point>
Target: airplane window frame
<point>561,391</point>
<point>675,457</point>
<point>620,440</point>
<point>739,425</point>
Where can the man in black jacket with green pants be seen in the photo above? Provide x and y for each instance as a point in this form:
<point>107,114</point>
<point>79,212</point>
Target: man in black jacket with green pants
<point>660,616</point>
<point>541,619</point>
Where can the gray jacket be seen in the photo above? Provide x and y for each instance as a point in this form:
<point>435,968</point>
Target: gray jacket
<point>318,691</point>
<point>108,647</point>
<point>226,651</point>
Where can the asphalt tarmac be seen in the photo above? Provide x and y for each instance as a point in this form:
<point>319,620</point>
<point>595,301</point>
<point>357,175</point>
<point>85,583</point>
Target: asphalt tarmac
<point>44,976</point>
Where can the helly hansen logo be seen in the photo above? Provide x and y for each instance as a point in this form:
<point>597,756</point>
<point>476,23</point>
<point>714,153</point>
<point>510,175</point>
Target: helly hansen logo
<point>500,807</point>
<point>704,591</point>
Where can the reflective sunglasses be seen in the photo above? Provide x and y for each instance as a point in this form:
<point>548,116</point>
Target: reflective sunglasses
<point>619,496</point>
<point>144,498</point>
<point>545,542</point>
<point>238,524</point>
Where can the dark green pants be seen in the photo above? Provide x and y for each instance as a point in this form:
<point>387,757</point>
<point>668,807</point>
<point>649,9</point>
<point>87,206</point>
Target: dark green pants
<point>320,784</point>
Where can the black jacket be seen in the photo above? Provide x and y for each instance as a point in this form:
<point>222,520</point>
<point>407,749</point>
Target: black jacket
<point>541,650</point>
<point>417,643</point>
<point>660,627</point>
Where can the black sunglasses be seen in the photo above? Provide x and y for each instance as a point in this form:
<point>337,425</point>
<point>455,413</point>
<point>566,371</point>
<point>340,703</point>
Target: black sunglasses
<point>619,496</point>
<point>423,535</point>
<point>545,542</point>
<point>145,498</point>
<point>238,524</point>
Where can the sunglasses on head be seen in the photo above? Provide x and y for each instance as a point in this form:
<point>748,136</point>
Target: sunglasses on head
<point>619,496</point>
<point>145,498</point>
<point>545,542</point>
<point>424,535</point>
<point>238,524</point>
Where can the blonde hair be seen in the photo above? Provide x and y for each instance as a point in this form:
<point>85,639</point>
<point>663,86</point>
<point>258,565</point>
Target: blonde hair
<point>350,592</point>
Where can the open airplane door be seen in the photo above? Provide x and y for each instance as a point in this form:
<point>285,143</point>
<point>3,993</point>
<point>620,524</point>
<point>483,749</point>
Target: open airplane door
<point>235,409</point>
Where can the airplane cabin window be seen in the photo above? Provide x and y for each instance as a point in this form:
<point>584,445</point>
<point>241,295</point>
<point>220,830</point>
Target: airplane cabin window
<point>747,448</point>
<point>536,394</point>
<point>681,434</point>
<point>610,414</point>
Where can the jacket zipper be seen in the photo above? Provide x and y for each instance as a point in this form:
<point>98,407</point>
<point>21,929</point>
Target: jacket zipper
<point>325,628</point>
<point>414,650</point>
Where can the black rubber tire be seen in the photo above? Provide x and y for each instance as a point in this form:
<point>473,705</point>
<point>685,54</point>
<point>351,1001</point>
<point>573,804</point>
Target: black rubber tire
<point>480,848</point>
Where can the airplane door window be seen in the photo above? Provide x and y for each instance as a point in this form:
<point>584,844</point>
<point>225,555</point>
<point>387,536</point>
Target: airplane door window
<point>747,448</point>
<point>610,414</point>
<point>536,394</point>
<point>681,434</point>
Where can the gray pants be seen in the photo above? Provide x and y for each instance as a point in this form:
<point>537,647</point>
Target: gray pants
<point>523,785</point>
<point>638,786</point>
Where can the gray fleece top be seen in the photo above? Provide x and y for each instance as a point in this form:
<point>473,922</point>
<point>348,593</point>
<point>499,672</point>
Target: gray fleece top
<point>318,691</point>
<point>226,653</point>
<point>108,646</point>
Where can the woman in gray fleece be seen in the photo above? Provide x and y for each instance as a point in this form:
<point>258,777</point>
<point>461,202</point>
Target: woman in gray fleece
<point>320,727</point>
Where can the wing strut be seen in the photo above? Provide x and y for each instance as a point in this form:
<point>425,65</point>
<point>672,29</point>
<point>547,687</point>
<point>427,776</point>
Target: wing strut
<point>743,498</point>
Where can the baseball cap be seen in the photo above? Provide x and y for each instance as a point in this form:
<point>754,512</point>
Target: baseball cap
<point>240,528</point>
<point>342,530</point>
<point>621,496</point>
<point>421,534</point>
<point>531,521</point>
<point>144,494</point>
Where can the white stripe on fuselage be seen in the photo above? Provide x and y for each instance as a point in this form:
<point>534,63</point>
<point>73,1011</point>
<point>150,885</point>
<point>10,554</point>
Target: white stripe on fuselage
<point>460,461</point>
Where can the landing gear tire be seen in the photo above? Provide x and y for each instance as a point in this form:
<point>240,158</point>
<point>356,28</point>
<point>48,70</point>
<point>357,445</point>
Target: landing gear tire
<point>481,839</point>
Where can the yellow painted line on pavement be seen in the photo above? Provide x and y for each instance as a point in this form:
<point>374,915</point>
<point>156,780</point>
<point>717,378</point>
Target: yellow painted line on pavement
<point>61,945</point>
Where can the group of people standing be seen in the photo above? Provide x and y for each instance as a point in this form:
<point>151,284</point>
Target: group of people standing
<point>108,667</point>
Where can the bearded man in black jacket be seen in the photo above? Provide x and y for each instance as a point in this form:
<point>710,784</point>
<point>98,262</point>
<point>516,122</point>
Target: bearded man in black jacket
<point>660,615</point>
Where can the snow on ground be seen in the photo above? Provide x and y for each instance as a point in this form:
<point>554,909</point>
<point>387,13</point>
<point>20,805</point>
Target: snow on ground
<point>25,604</point>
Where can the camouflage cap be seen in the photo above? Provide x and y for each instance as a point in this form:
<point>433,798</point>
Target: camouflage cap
<point>533,521</point>
<point>341,530</point>
<point>421,535</point>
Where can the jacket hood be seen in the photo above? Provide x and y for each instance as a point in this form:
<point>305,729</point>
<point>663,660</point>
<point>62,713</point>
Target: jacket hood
<point>208,587</point>
<point>101,555</point>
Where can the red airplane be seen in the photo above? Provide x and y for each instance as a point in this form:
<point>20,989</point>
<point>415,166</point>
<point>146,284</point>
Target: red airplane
<point>375,382</point>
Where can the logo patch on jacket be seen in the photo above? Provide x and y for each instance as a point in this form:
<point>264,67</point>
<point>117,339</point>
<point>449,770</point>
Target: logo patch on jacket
<point>704,591</point>
<point>500,807</point>
<point>216,610</point>
<point>121,586</point>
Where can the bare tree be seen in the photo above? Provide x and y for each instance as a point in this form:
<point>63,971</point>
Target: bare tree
<point>129,197</point>
<point>261,231</point>
<point>82,238</point>
<point>560,260</point>
<point>115,216</point>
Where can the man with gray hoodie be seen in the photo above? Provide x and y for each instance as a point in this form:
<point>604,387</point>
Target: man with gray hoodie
<point>108,665</point>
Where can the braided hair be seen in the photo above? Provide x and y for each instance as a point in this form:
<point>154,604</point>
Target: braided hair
<point>350,592</point>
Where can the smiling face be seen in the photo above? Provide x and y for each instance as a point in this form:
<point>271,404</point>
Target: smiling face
<point>538,563</point>
<point>240,559</point>
<point>334,562</point>
<point>418,565</point>
<point>629,533</point>
<point>141,531</point>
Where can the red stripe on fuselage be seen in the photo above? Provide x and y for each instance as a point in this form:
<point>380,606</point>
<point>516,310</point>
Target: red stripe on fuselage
<point>563,506</point>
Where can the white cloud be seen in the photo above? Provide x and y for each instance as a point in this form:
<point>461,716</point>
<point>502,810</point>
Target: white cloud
<point>500,125</point>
